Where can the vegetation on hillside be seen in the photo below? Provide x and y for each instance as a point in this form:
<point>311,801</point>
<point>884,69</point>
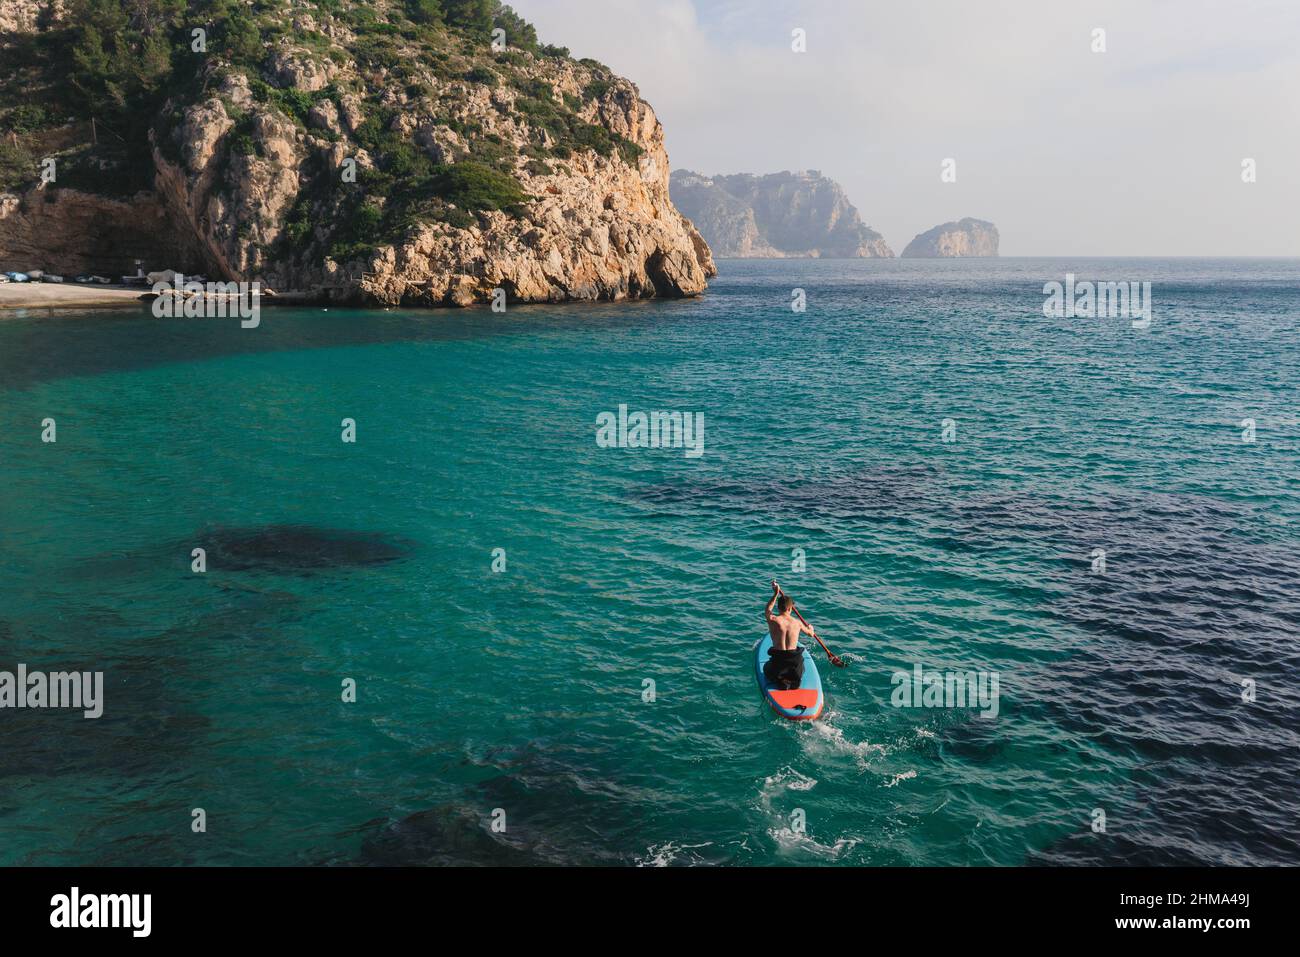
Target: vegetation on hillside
<point>113,75</point>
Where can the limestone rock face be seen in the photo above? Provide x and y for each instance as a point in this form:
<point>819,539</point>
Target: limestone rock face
<point>298,72</point>
<point>965,237</point>
<point>599,228</point>
<point>777,215</point>
<point>72,232</point>
<point>28,16</point>
<point>594,227</point>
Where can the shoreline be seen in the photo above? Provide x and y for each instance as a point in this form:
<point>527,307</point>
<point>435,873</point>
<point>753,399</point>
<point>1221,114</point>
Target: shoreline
<point>21,299</point>
<point>49,297</point>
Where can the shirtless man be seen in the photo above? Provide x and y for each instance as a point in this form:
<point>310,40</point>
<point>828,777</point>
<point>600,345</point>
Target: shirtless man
<point>784,667</point>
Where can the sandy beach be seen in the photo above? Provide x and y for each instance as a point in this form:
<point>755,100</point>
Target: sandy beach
<point>50,296</point>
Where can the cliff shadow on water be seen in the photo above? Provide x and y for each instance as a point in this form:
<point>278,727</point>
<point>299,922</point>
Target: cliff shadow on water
<point>121,341</point>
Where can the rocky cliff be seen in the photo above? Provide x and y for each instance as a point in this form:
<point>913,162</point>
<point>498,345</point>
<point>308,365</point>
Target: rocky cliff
<point>776,215</point>
<point>69,232</point>
<point>385,153</point>
<point>28,16</point>
<point>966,237</point>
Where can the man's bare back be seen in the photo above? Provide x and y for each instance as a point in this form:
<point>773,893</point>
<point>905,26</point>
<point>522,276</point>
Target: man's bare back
<point>785,628</point>
<point>785,631</point>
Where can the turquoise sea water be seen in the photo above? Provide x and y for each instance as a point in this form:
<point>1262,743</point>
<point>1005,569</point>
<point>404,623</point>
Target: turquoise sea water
<point>522,690</point>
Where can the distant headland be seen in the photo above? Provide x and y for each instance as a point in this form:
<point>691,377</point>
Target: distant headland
<point>778,215</point>
<point>804,214</point>
<point>965,237</point>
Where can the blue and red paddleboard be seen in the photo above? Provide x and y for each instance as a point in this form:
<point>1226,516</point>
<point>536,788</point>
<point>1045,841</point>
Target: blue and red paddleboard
<point>803,703</point>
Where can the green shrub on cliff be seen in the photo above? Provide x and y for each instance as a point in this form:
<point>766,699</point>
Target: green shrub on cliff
<point>477,187</point>
<point>447,193</point>
<point>378,51</point>
<point>359,234</point>
<point>239,38</point>
<point>296,104</point>
<point>472,16</point>
<point>120,57</point>
<point>519,32</point>
<point>483,75</point>
<point>17,167</point>
<point>25,118</point>
<point>424,11</point>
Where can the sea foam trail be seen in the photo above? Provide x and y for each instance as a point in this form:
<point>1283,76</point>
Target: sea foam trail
<point>786,779</point>
<point>789,839</point>
<point>824,738</point>
<point>796,843</point>
<point>668,853</point>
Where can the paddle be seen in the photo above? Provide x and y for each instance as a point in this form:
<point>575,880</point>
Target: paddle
<point>836,660</point>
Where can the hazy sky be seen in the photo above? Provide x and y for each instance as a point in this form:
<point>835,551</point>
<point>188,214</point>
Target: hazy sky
<point>1135,151</point>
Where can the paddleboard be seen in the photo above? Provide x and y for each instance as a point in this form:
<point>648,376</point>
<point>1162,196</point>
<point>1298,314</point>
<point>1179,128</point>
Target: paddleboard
<point>803,703</point>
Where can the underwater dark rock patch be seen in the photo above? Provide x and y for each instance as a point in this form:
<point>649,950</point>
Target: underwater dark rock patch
<point>144,729</point>
<point>446,835</point>
<point>298,548</point>
<point>557,814</point>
